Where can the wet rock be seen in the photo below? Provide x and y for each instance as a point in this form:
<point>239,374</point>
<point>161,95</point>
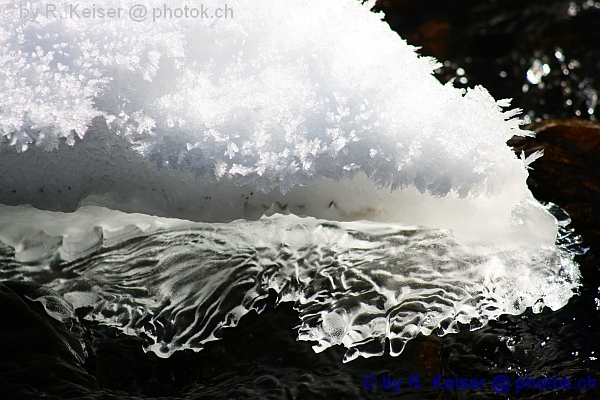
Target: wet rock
<point>39,355</point>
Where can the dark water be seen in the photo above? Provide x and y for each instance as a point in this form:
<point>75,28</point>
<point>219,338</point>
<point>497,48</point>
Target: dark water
<point>44,358</point>
<point>496,43</point>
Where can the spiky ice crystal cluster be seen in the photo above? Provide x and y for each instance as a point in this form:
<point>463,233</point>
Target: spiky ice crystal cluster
<point>274,96</point>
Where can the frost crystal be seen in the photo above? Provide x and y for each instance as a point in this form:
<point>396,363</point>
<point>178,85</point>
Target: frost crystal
<point>272,96</point>
<point>281,102</point>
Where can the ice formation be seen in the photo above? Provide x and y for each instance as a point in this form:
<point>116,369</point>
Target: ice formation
<point>305,107</point>
<point>179,284</point>
<point>271,106</point>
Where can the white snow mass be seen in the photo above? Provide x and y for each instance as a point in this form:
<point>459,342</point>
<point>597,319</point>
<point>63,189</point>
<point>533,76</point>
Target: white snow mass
<point>306,107</point>
<point>271,107</point>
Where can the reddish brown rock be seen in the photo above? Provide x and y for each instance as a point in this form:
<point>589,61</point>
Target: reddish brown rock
<point>569,172</point>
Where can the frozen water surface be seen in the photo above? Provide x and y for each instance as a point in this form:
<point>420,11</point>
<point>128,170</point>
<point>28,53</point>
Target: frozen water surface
<point>417,214</point>
<point>179,283</point>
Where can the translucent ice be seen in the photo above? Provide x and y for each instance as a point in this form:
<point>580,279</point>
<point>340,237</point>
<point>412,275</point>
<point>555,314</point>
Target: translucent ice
<point>178,284</point>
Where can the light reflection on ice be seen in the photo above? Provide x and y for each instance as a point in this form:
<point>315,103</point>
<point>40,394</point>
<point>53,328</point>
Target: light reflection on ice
<point>357,284</point>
